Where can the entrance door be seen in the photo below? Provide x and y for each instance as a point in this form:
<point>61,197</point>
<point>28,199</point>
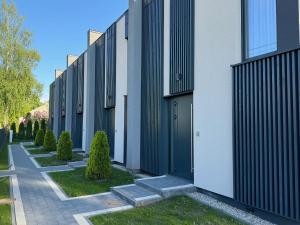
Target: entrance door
<point>181,136</point>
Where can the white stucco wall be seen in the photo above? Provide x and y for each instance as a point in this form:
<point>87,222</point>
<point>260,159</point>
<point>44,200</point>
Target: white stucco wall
<point>217,46</point>
<point>121,89</point>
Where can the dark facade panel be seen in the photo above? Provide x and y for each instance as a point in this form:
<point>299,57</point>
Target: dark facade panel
<point>111,66</point>
<point>80,82</point>
<point>61,103</point>
<point>181,46</point>
<point>51,105</point>
<point>100,84</point>
<point>126,25</point>
<point>63,94</point>
<point>104,118</point>
<point>266,124</point>
<point>154,108</point>
<point>77,118</point>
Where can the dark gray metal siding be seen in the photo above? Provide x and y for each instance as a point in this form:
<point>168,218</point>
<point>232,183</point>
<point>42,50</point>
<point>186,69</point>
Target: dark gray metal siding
<point>61,117</point>
<point>51,105</point>
<point>77,118</point>
<point>100,84</point>
<point>104,118</point>
<point>111,66</point>
<point>63,94</point>
<point>154,121</point>
<point>266,121</point>
<point>126,25</point>
<point>181,46</point>
<point>80,82</point>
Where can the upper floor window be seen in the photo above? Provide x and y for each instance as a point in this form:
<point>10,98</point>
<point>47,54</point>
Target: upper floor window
<point>260,27</point>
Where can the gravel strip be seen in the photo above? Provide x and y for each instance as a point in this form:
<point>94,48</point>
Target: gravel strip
<point>238,214</point>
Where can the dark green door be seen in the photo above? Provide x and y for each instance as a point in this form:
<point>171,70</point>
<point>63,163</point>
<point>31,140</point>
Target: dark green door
<point>181,136</point>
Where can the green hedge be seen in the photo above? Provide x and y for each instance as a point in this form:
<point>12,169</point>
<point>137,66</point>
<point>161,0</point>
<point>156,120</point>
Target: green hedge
<point>29,129</point>
<point>49,141</point>
<point>39,139</point>
<point>99,164</point>
<point>36,128</point>
<point>64,147</point>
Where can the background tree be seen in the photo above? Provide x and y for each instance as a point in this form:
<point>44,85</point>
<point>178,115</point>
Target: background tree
<point>43,125</point>
<point>36,128</point>
<point>13,127</point>
<point>29,129</point>
<point>19,90</point>
<point>21,133</point>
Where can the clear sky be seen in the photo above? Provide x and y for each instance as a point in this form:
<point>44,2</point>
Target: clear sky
<point>60,28</point>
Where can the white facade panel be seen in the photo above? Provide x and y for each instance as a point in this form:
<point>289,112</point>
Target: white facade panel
<point>121,89</point>
<point>217,46</point>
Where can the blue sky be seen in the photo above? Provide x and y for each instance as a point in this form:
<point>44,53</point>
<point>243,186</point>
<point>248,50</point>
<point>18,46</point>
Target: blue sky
<point>60,28</point>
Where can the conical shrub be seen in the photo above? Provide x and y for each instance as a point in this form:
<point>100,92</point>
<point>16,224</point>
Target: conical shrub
<point>36,128</point>
<point>49,141</point>
<point>64,147</point>
<point>99,164</point>
<point>39,139</point>
<point>29,129</point>
<point>43,125</point>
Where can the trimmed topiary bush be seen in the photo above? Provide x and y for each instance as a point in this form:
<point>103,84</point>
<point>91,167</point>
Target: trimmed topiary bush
<point>49,141</point>
<point>39,139</point>
<point>43,125</point>
<point>64,147</point>
<point>29,129</point>
<point>13,127</point>
<point>21,133</point>
<point>99,164</point>
<point>36,128</point>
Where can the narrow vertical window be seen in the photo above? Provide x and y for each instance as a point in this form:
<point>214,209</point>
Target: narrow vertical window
<point>261,27</point>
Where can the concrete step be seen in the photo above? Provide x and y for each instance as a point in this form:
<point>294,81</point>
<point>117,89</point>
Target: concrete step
<point>136,195</point>
<point>166,186</point>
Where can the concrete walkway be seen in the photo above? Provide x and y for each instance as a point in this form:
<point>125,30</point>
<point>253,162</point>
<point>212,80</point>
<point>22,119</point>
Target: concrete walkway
<point>42,205</point>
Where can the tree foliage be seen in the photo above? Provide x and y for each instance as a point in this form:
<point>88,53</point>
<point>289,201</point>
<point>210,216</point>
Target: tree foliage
<point>64,147</point>
<point>19,90</point>
<point>29,129</point>
<point>50,141</point>
<point>43,125</point>
<point>39,139</point>
<point>99,164</point>
<point>21,133</point>
<point>36,128</point>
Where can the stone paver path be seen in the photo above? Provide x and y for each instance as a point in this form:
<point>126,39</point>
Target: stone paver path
<point>41,205</point>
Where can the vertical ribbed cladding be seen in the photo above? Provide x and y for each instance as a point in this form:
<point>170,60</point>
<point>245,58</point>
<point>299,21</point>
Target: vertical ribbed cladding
<point>77,96</point>
<point>51,105</point>
<point>266,107</point>
<point>62,103</point>
<point>154,120</point>
<point>111,66</point>
<point>181,46</point>
<point>104,118</point>
<point>100,84</point>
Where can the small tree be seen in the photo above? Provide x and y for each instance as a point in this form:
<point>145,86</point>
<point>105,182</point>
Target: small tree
<point>21,133</point>
<point>13,127</point>
<point>36,128</point>
<point>39,139</point>
<point>99,164</point>
<point>49,141</point>
<point>64,147</point>
<point>29,129</point>
<point>43,125</point>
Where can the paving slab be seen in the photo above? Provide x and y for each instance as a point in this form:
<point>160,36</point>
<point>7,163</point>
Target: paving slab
<point>42,205</point>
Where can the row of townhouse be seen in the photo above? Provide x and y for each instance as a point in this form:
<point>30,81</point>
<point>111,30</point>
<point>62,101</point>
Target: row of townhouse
<point>204,90</point>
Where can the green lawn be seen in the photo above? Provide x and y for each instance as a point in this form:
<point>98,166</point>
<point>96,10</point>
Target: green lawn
<point>31,146</point>
<point>5,214</point>
<point>179,210</point>
<point>4,164</point>
<point>37,151</point>
<point>53,161</point>
<point>74,183</point>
